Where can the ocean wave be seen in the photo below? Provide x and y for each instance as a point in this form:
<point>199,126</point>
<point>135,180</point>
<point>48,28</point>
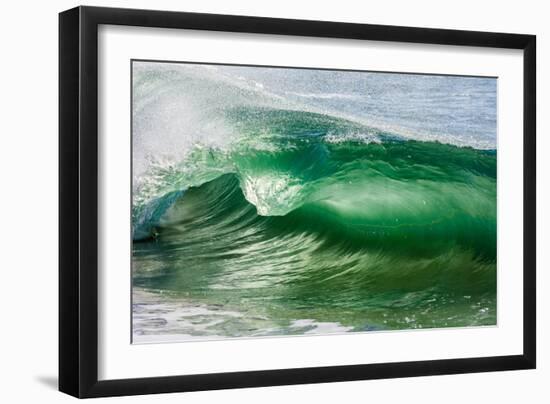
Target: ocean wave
<point>242,194</point>
<point>372,192</point>
<point>418,255</point>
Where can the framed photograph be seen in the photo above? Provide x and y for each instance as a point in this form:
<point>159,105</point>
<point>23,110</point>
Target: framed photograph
<point>251,201</point>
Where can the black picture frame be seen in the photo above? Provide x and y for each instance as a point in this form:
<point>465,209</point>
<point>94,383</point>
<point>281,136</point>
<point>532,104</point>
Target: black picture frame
<point>78,201</point>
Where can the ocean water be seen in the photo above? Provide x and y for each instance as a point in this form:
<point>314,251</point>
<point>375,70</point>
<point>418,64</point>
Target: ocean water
<point>273,201</point>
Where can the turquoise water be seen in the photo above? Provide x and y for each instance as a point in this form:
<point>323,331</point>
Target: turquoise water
<point>282,202</point>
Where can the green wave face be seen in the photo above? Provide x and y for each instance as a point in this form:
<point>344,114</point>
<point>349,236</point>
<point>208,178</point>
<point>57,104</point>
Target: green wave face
<point>309,219</point>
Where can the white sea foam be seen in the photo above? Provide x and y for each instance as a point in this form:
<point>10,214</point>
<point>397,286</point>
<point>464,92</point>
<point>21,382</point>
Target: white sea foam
<point>353,137</point>
<point>159,319</point>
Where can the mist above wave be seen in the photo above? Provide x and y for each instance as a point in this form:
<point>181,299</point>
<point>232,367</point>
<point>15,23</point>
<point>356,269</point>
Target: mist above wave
<point>178,106</point>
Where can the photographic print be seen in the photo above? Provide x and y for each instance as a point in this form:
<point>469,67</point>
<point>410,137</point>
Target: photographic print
<point>278,201</point>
